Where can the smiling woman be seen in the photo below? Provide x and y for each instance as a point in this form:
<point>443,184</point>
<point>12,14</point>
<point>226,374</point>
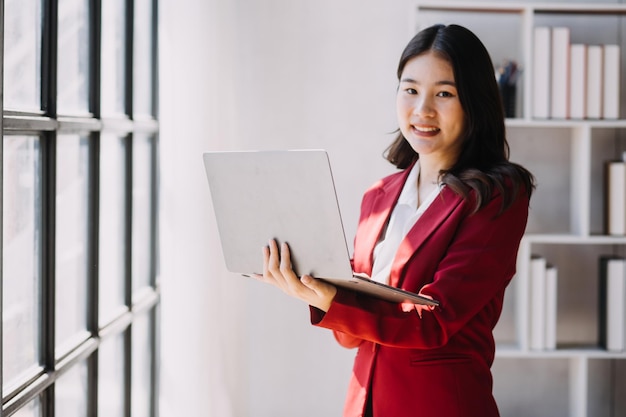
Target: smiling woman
<point>447,226</point>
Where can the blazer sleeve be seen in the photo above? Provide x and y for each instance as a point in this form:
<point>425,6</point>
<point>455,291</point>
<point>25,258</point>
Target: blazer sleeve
<point>346,340</point>
<point>477,266</point>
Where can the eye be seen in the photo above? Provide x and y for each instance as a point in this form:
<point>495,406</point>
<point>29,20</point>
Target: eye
<point>445,94</point>
<point>410,91</point>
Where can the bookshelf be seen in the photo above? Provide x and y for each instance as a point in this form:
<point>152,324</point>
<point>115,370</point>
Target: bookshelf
<point>566,224</point>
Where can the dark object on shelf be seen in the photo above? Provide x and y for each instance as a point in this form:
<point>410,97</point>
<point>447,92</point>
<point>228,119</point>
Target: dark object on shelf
<point>508,74</point>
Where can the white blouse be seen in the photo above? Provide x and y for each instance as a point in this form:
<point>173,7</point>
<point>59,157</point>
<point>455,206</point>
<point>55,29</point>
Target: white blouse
<point>402,219</point>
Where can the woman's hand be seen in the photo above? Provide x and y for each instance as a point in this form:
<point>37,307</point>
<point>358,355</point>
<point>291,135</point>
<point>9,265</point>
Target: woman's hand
<point>277,270</point>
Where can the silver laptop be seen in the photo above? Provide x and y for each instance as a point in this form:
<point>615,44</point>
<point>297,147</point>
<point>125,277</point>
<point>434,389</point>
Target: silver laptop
<point>288,196</point>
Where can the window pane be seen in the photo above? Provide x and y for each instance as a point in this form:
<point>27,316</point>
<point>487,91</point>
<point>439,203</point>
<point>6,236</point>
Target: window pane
<point>113,53</point>
<point>73,59</point>
<point>141,370</point>
<point>71,236</point>
<point>142,210</point>
<point>22,54</point>
<point>21,261</point>
<point>143,72</point>
<point>111,377</point>
<point>71,392</point>
<point>32,409</point>
<point>112,237</point>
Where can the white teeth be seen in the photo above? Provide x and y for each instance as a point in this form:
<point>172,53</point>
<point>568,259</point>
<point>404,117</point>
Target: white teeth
<point>426,129</point>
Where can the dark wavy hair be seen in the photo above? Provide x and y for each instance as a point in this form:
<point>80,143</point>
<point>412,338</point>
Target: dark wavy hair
<point>483,164</point>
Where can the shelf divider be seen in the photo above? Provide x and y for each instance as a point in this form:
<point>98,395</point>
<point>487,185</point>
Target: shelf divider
<point>581,180</point>
<point>579,371</point>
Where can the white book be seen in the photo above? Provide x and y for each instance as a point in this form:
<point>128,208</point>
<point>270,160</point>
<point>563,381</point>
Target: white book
<point>541,72</point>
<point>537,302</point>
<point>611,82</point>
<point>613,304</point>
<point>551,306</point>
<point>615,198</point>
<point>559,108</point>
<point>594,81</point>
<point>578,81</point>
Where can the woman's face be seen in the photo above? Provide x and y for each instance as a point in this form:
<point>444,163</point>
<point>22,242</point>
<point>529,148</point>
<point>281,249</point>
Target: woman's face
<point>429,110</point>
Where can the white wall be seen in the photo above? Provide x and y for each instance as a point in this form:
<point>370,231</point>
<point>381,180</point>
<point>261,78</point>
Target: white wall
<point>262,74</point>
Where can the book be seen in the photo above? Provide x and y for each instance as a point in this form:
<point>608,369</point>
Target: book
<point>559,103</point>
<point>615,197</point>
<point>551,306</point>
<point>611,82</point>
<point>537,302</point>
<point>612,303</point>
<point>541,72</point>
<point>594,81</point>
<point>577,81</point>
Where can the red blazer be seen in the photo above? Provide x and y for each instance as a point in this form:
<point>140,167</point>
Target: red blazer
<point>439,363</point>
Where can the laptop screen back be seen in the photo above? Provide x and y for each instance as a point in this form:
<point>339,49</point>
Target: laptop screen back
<point>285,195</point>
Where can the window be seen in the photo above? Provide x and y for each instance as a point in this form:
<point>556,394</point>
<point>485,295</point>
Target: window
<point>80,293</point>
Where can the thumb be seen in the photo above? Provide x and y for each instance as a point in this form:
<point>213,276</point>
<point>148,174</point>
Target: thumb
<point>313,284</point>
<point>324,292</point>
<point>309,281</point>
<point>320,287</point>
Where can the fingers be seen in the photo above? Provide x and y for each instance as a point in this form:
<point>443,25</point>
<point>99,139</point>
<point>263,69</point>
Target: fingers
<point>285,259</point>
<point>278,271</point>
<point>292,283</point>
<point>277,266</point>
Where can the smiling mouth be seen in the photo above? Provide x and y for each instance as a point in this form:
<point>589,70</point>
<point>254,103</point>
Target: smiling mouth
<point>427,130</point>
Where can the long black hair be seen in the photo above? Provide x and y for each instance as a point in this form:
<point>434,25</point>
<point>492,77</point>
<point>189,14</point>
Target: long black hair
<point>483,163</point>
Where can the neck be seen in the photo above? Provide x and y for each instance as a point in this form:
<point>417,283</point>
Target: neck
<point>429,172</point>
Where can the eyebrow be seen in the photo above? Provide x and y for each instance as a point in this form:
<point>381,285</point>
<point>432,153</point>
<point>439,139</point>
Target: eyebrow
<point>442,82</point>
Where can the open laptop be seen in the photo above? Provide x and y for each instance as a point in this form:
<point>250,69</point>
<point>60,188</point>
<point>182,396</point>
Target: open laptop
<point>288,196</point>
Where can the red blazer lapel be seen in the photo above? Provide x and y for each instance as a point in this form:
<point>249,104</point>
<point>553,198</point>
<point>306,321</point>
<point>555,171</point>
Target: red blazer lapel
<point>377,218</point>
<point>430,220</point>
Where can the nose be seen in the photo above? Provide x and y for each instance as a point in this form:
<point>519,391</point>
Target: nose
<point>423,106</point>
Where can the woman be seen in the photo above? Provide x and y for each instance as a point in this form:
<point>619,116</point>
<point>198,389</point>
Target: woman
<point>448,225</point>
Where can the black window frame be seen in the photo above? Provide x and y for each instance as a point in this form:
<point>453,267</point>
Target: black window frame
<point>48,124</point>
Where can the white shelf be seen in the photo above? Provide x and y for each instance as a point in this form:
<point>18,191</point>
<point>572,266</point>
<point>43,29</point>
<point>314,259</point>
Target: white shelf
<point>566,123</point>
<point>566,216</point>
<point>507,351</point>
<point>570,239</point>
<point>518,7</point>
